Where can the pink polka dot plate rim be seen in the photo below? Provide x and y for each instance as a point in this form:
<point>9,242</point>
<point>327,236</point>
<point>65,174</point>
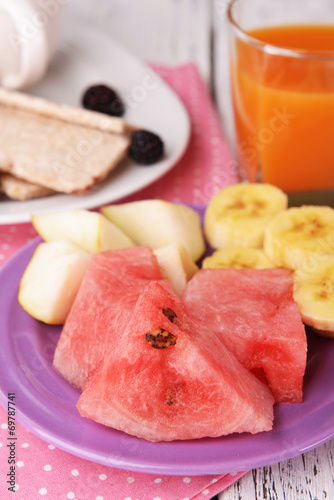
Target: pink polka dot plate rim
<point>150,104</point>
<point>46,404</point>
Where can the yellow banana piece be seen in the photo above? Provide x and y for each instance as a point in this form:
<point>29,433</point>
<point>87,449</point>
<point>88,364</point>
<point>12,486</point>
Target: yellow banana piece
<point>238,258</point>
<point>314,294</point>
<point>299,237</point>
<point>238,214</point>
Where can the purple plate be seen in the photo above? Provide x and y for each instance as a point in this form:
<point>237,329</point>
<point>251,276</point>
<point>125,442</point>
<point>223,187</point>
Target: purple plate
<point>46,404</point>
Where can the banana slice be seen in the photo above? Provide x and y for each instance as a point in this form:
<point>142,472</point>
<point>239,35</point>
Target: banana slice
<point>238,258</point>
<point>238,214</point>
<point>299,237</point>
<point>314,294</point>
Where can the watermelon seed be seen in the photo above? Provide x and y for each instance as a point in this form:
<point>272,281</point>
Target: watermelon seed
<point>171,394</point>
<point>160,339</point>
<point>169,313</point>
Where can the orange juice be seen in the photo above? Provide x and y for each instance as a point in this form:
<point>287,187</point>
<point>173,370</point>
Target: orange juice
<point>284,107</point>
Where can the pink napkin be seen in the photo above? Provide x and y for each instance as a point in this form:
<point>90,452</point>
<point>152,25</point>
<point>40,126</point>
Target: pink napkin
<point>207,164</point>
<point>41,469</point>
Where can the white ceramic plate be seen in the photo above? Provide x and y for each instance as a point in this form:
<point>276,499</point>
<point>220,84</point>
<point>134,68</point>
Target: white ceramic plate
<point>87,57</point>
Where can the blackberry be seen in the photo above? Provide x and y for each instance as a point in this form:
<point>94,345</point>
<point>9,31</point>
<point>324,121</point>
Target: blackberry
<point>146,148</point>
<point>104,100</point>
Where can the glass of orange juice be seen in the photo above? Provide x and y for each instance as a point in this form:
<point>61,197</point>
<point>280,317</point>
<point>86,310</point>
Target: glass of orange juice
<point>282,80</point>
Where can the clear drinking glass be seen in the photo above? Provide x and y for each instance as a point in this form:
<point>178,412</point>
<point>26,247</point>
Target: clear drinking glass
<point>282,78</point>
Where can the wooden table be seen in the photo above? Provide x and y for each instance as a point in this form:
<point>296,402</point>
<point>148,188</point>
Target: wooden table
<point>172,32</point>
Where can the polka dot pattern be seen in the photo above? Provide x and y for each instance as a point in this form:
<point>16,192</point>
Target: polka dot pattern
<point>46,471</point>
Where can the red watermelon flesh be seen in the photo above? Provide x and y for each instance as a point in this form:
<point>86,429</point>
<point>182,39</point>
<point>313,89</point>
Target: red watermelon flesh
<point>101,310</point>
<point>192,388</point>
<point>254,314</point>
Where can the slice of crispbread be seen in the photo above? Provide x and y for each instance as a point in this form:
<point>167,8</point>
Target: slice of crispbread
<point>54,153</point>
<point>69,114</point>
<point>18,189</point>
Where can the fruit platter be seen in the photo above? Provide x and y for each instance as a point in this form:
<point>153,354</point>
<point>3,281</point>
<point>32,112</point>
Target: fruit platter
<point>245,410</point>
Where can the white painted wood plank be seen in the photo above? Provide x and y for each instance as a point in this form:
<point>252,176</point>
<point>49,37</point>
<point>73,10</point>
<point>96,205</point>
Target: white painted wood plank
<point>309,476</point>
<point>221,80</point>
<point>170,32</point>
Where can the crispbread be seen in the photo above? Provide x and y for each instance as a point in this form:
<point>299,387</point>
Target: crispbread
<point>18,189</point>
<point>56,153</point>
<point>69,114</point>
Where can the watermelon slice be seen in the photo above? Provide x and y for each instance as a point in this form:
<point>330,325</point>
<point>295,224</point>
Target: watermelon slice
<point>254,314</point>
<point>102,308</point>
<point>168,377</point>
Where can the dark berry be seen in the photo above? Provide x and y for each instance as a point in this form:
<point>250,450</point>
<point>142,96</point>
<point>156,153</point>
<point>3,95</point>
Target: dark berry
<point>146,148</point>
<point>104,100</point>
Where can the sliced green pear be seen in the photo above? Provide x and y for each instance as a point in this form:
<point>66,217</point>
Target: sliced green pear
<point>176,265</point>
<point>51,280</point>
<point>90,230</point>
<point>157,223</point>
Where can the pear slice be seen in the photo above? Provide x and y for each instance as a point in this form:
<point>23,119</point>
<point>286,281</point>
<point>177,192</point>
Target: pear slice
<point>51,280</point>
<point>157,223</point>
<point>176,265</point>
<point>92,231</point>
